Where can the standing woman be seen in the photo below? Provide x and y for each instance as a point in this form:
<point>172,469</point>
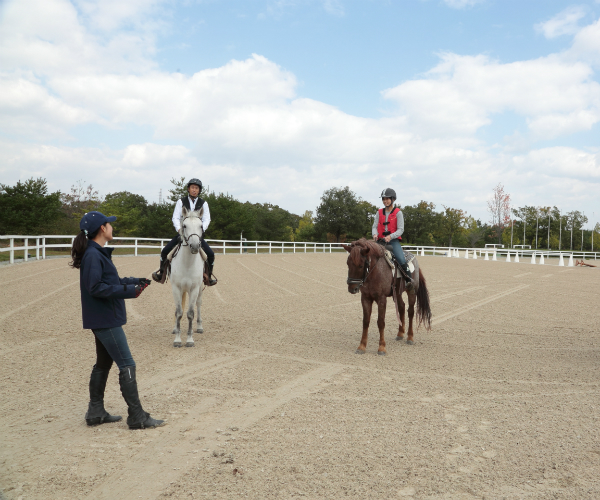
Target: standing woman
<point>103,310</point>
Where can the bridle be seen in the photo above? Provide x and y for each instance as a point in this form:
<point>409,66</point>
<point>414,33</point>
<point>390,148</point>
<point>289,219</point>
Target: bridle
<point>186,242</point>
<point>358,281</point>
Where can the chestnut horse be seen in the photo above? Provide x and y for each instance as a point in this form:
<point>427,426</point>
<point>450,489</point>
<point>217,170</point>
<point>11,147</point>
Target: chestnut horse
<point>369,272</point>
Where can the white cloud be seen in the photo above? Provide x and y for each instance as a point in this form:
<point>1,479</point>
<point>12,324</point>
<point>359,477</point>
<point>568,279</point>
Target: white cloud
<point>563,23</point>
<point>243,129</point>
<point>460,95</point>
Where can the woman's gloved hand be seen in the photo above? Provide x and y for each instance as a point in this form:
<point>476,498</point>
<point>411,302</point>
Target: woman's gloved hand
<point>144,283</point>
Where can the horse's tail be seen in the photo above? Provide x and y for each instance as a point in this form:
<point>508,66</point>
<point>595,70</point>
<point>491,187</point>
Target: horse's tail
<point>423,307</point>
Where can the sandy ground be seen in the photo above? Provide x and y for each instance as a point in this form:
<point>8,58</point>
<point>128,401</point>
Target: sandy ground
<point>500,400</point>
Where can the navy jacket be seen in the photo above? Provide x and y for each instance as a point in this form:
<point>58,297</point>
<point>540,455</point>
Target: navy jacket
<point>102,291</point>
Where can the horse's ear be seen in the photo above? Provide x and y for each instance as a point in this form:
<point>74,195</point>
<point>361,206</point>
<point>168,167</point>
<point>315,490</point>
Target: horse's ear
<point>184,212</point>
<point>365,251</point>
<point>348,248</point>
<point>201,212</point>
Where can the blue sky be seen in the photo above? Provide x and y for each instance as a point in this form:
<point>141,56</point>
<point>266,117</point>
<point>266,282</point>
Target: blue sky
<point>277,101</point>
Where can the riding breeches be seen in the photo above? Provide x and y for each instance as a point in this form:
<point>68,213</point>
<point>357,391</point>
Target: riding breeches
<point>210,255</point>
<point>111,345</point>
<point>398,252</point>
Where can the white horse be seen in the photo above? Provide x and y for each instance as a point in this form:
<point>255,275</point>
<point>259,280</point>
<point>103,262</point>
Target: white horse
<point>187,269</point>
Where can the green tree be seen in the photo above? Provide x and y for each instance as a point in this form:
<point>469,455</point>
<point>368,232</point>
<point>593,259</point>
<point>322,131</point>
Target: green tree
<point>80,200</point>
<point>229,218</point>
<point>272,223</point>
<point>452,222</point>
<point>474,232</point>
<point>129,209</point>
<point>156,221</point>
<point>421,223</point>
<point>340,213</point>
<point>306,228</point>
<point>28,208</point>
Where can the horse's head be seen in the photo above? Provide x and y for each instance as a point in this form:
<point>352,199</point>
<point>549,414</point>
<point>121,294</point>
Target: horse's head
<point>358,265</point>
<point>191,229</point>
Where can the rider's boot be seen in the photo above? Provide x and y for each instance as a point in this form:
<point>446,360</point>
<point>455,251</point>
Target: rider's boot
<point>408,279</point>
<point>158,275</point>
<point>138,418</point>
<point>211,280</point>
<point>96,413</point>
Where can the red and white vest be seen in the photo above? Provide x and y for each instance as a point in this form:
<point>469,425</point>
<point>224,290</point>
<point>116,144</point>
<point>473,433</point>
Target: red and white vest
<point>392,223</point>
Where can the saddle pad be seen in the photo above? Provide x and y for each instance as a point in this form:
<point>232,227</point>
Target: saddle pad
<point>407,255</point>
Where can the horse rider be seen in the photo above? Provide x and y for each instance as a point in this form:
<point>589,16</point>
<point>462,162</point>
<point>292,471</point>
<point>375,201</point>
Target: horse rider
<point>103,311</point>
<point>190,202</point>
<point>389,226</point>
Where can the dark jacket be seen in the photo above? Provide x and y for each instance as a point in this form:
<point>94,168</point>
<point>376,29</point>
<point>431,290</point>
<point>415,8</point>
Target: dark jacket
<point>102,291</point>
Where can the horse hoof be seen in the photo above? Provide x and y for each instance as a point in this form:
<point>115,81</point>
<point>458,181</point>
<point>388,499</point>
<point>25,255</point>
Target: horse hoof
<point>189,344</point>
<point>200,330</point>
<point>381,353</point>
<point>359,351</point>
<point>410,342</point>
<point>176,344</point>
<point>399,338</point>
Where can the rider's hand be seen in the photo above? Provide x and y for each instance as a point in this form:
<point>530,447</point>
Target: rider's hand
<point>374,237</point>
<point>144,281</point>
<point>387,238</point>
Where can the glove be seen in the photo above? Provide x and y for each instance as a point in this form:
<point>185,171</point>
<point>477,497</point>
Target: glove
<point>144,281</point>
<point>141,287</point>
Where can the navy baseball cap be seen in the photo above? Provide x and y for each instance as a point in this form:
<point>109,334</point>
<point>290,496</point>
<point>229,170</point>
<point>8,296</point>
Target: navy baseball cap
<point>92,221</point>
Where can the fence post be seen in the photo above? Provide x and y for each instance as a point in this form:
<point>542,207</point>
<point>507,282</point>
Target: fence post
<point>330,248</point>
<point>44,248</point>
<point>269,247</point>
<point>240,247</point>
<point>12,251</point>
<point>37,249</point>
<point>135,246</point>
<point>294,247</point>
<point>26,251</point>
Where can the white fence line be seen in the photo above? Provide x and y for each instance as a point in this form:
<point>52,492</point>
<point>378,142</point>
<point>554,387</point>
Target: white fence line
<point>237,246</point>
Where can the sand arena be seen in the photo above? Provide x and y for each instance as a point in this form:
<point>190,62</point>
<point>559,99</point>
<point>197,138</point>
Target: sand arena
<point>500,400</point>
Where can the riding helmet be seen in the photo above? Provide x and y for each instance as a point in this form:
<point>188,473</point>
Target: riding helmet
<point>389,193</point>
<point>198,183</point>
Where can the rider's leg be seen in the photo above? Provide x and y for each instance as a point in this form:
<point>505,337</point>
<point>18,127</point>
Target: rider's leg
<point>399,254</point>
<point>157,275</point>
<point>210,259</point>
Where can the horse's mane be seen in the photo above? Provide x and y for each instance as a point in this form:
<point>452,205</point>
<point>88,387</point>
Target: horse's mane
<point>375,249</point>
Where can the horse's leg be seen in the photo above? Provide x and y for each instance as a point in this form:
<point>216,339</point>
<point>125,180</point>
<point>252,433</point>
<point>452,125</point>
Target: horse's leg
<point>381,306</point>
<point>367,305</point>
<point>178,298</point>
<point>193,299</point>
<point>402,309</point>
<point>199,328</point>
<point>412,297</point>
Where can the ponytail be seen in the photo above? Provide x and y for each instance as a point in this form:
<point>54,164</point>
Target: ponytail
<point>79,247</point>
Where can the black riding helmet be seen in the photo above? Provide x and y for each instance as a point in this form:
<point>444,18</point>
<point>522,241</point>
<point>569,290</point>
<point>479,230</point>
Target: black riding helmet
<point>389,193</point>
<point>198,183</point>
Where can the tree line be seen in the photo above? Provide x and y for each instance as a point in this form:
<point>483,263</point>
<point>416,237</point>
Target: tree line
<point>29,208</point>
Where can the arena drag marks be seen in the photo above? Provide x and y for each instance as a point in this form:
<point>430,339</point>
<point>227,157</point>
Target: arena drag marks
<point>499,400</point>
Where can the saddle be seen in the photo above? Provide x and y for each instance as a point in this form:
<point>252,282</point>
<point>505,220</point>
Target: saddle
<point>167,265</point>
<point>394,264</point>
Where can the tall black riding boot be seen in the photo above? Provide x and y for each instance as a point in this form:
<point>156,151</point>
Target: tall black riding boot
<point>211,279</point>
<point>138,418</point>
<point>408,280</point>
<point>96,413</point>
<point>158,275</point>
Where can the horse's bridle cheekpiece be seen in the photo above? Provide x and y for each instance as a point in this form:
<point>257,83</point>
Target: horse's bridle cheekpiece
<point>358,281</point>
<point>186,242</point>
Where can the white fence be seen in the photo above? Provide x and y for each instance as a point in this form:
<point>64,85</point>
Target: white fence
<point>39,245</point>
